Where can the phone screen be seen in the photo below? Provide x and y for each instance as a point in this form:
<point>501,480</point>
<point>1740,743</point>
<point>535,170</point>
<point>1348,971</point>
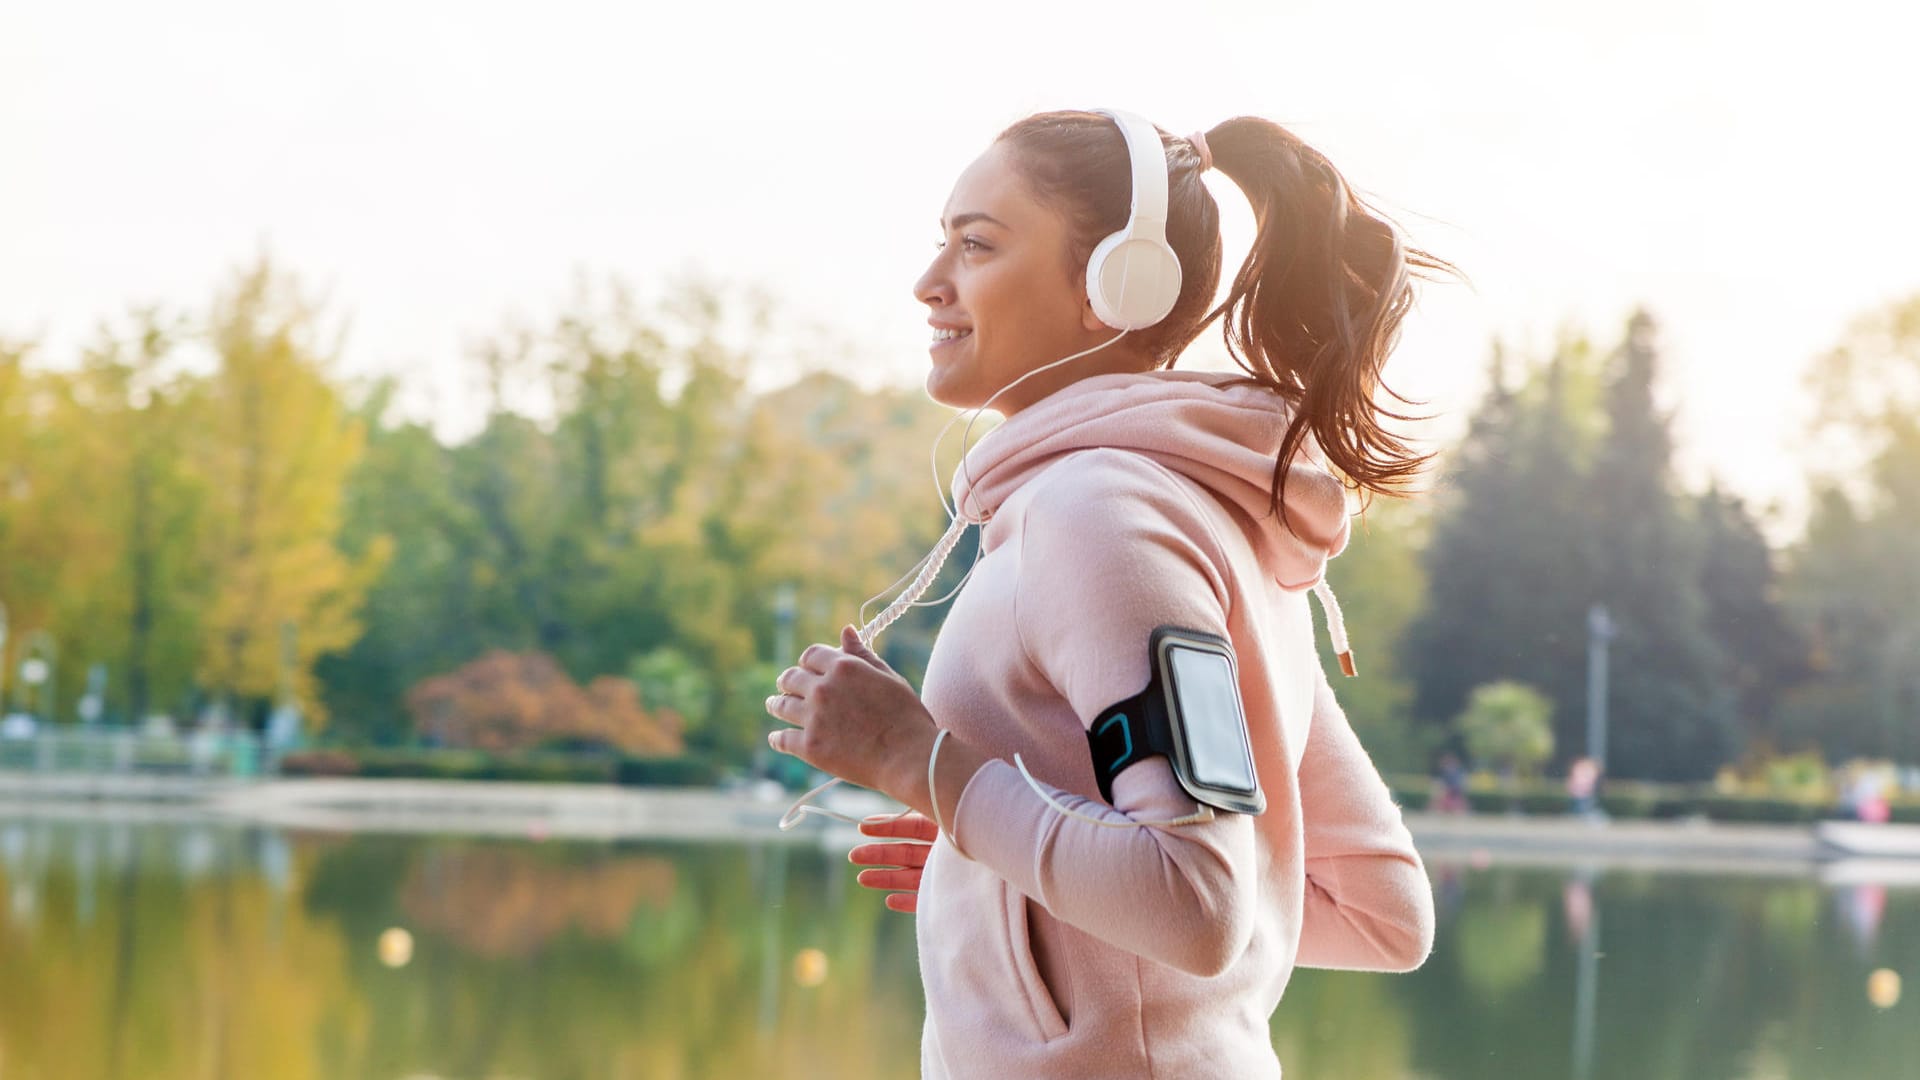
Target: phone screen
<point>1216,731</point>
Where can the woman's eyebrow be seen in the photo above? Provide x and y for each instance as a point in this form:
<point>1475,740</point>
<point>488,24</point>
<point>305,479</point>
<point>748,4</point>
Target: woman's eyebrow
<point>970,217</point>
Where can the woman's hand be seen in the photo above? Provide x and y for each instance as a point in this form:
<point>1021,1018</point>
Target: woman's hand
<point>854,717</point>
<point>898,866</point>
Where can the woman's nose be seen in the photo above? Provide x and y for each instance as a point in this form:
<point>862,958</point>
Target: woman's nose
<point>932,288</point>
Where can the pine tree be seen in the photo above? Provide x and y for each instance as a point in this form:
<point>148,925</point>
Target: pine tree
<point>1509,569</point>
<point>1761,653</point>
<point>1668,718</point>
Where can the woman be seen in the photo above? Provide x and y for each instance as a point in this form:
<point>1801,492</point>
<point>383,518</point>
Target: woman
<point>1117,496</point>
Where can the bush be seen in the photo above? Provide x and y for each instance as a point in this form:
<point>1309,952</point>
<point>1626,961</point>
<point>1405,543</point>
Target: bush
<point>1508,725</point>
<point>319,763</point>
<point>550,768</point>
<point>1633,800</point>
<point>506,703</point>
<point>686,771</point>
<point>1771,809</point>
<point>1639,800</point>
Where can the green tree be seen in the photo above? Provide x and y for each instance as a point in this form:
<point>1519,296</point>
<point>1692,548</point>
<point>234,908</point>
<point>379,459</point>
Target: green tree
<point>1508,725</point>
<point>142,617</point>
<point>1852,579</point>
<point>671,682</point>
<point>1761,653</point>
<point>1668,718</point>
<point>422,615</point>
<point>1511,566</point>
<point>1382,586</point>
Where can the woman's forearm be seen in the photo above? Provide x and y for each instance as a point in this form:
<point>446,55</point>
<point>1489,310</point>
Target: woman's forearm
<point>957,763</point>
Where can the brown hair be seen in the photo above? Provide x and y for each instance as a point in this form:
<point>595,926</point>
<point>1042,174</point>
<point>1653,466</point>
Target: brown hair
<point>1314,311</point>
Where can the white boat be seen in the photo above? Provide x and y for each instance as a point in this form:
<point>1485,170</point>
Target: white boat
<point>1857,838</point>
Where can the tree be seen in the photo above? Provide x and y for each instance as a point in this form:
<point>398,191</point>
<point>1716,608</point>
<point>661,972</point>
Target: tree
<point>142,616</point>
<point>1382,587</point>
<point>505,701</point>
<point>1508,725</point>
<point>1761,653</point>
<point>1510,569</point>
<point>276,446</point>
<point>671,682</point>
<point>424,612</point>
<point>1852,579</point>
<point>1668,718</point>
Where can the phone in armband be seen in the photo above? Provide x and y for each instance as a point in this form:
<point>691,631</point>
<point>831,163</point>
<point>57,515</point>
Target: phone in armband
<point>1191,713</point>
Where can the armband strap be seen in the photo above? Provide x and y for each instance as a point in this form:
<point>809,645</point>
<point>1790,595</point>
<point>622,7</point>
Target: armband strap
<point>1127,732</point>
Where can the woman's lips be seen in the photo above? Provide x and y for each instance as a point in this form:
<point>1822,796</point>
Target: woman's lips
<point>938,345</point>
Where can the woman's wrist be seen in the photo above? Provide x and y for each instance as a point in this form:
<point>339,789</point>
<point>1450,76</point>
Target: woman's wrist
<point>954,767</point>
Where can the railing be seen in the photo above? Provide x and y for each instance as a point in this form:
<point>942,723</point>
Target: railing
<point>102,750</point>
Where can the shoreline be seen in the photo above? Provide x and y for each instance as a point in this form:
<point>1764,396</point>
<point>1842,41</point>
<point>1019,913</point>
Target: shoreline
<point>609,813</point>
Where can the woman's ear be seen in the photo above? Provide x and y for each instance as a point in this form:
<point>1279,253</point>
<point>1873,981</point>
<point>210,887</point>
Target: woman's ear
<point>1088,320</point>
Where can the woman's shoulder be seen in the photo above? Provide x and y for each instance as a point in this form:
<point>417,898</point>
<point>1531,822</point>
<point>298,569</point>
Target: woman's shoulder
<point>1104,495</point>
<point>1110,477</point>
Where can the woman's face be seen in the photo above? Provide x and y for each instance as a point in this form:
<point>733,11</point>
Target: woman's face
<point>1001,283</point>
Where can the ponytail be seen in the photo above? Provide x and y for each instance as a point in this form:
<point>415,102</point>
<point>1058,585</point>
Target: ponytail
<point>1316,309</point>
<point>1313,312</point>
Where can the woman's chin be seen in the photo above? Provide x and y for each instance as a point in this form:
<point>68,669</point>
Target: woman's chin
<point>945,388</point>
<point>944,396</point>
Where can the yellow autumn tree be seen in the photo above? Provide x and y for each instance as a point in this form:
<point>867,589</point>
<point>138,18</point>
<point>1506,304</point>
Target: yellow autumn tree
<point>278,446</point>
<point>57,542</point>
<point>133,580</point>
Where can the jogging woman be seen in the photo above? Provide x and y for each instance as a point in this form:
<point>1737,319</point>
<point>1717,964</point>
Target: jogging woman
<point>1073,920</point>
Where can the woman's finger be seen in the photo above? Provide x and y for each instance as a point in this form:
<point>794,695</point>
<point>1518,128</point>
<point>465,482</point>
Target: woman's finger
<point>817,658</point>
<point>916,826</point>
<point>788,708</point>
<point>908,902</point>
<point>797,681</point>
<point>890,879</point>
<point>888,855</point>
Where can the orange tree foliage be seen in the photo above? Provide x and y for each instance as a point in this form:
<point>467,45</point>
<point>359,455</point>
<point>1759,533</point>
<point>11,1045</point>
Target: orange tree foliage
<point>513,701</point>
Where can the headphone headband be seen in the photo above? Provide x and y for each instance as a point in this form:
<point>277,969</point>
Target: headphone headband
<point>1133,277</point>
<point>1148,215</point>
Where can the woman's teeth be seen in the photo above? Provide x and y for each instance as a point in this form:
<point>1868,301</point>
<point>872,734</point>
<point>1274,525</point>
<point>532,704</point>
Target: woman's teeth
<point>950,335</point>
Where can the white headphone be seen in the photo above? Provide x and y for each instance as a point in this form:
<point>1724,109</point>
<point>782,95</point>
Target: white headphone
<point>1133,276</point>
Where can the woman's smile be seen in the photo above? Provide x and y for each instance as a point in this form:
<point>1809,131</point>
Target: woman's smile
<point>948,337</point>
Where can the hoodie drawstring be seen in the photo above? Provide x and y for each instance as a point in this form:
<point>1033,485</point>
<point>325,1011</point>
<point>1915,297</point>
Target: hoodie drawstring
<point>1336,626</point>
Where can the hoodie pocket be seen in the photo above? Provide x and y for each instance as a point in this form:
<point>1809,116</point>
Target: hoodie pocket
<point>1046,1013</point>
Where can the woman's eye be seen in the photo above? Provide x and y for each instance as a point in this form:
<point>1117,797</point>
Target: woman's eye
<point>969,243</point>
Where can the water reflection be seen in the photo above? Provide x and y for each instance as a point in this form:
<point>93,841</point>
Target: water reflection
<point>196,949</point>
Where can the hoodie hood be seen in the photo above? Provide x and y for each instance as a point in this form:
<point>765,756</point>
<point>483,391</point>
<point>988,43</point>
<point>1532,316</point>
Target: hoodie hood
<point>1225,438</point>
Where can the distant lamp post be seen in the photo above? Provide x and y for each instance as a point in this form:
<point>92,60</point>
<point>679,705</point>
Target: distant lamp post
<point>3,657</point>
<point>1600,631</point>
<point>94,702</point>
<point>37,671</point>
<point>783,611</point>
<point>283,724</point>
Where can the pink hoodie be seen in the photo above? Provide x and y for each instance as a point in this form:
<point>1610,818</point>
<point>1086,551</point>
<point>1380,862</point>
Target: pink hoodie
<point>1052,947</point>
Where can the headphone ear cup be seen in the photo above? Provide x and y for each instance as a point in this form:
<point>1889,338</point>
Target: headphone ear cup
<point>1132,282</point>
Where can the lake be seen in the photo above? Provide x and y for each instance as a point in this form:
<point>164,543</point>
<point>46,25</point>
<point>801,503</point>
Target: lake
<point>211,951</point>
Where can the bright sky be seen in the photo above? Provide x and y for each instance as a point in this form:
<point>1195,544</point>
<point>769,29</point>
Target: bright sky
<point>1746,170</point>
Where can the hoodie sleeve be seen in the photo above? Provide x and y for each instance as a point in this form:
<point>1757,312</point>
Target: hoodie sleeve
<point>1111,548</point>
<point>1369,905</point>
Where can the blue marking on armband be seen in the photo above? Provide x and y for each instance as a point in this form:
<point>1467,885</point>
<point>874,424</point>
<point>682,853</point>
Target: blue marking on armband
<point>1125,732</point>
